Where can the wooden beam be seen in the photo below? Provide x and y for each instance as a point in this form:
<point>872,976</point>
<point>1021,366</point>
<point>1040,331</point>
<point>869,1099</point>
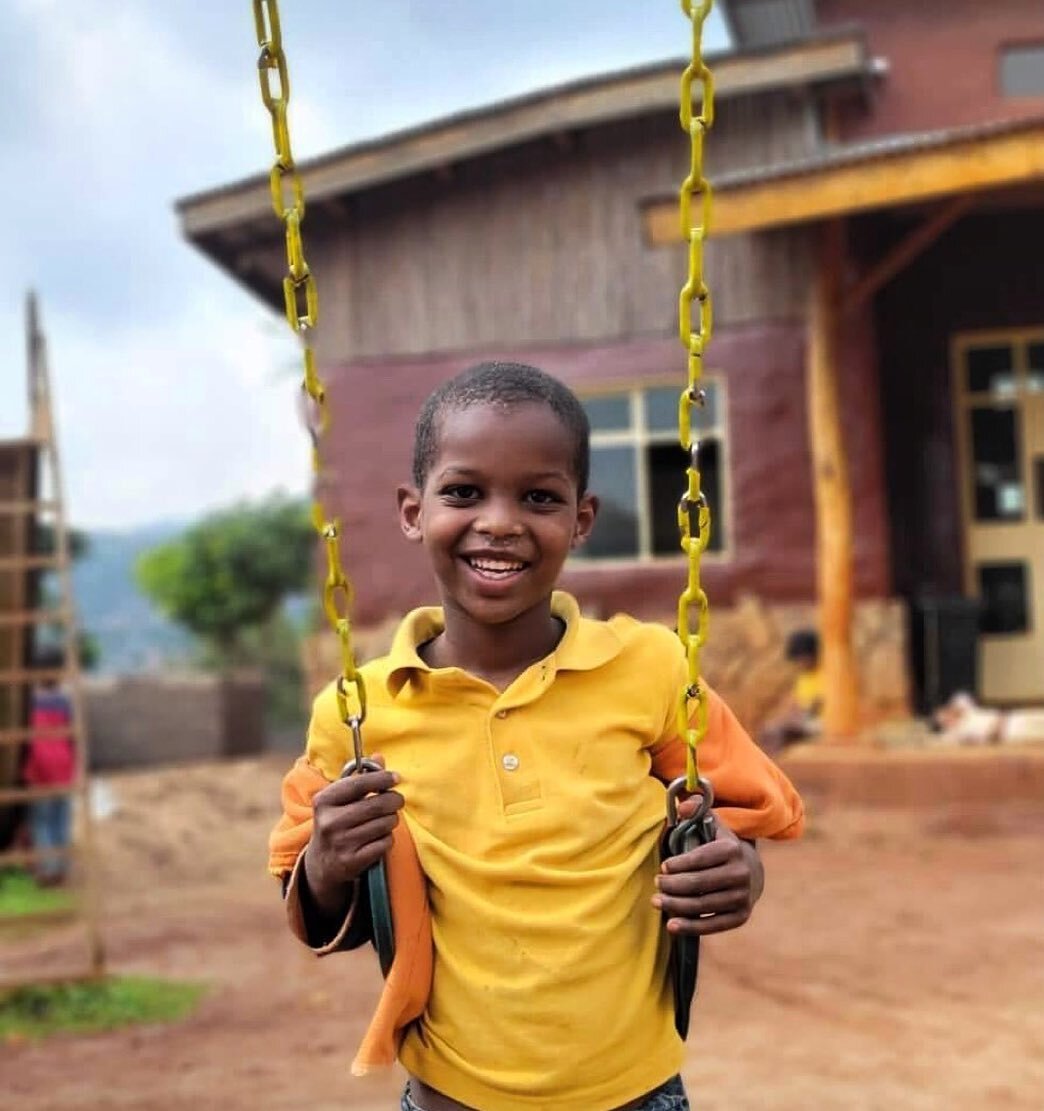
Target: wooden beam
<point>833,493</point>
<point>27,733</point>
<point>35,617</point>
<point>16,795</point>
<point>907,250</point>
<point>24,508</point>
<point>18,564</point>
<point>907,177</point>
<point>19,858</point>
<point>49,916</point>
<point>24,676</point>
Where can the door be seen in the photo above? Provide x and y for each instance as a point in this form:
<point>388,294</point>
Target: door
<point>999,381</point>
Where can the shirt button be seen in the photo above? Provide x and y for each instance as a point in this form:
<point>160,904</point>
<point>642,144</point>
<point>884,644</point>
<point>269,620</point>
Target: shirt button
<point>502,713</point>
<point>510,762</point>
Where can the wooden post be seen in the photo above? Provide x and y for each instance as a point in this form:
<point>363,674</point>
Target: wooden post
<point>833,494</point>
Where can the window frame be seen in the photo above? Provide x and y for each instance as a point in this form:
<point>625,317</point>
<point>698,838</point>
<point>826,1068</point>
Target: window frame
<point>966,399</point>
<point>639,437</point>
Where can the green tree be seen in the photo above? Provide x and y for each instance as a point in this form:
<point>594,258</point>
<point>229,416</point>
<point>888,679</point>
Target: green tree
<point>227,577</point>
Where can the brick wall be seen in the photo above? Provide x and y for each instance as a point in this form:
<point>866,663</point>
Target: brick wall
<point>149,720</point>
<point>942,61</point>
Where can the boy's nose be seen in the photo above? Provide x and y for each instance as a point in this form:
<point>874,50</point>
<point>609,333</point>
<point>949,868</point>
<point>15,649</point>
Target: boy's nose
<point>498,520</point>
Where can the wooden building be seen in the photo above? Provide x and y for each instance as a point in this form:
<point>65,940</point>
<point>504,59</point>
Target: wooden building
<point>878,233</point>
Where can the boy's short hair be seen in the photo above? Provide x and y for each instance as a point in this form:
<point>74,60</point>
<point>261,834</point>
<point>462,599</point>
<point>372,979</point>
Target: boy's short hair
<point>506,385</point>
<point>803,644</point>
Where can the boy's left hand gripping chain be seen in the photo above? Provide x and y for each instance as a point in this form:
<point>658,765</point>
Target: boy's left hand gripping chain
<point>376,875</point>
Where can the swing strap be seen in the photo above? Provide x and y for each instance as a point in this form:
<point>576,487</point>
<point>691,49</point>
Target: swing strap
<point>682,837</point>
<point>378,896</point>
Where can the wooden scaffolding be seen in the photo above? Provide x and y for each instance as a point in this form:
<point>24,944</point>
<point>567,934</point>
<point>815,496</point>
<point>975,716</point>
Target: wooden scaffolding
<point>36,597</point>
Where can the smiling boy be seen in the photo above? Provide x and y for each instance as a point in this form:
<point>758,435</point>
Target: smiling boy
<point>527,749</point>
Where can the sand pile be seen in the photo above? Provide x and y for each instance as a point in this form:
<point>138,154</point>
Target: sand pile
<point>193,823</point>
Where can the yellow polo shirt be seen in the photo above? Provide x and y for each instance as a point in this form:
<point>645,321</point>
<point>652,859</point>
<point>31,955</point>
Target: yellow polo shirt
<point>536,822</point>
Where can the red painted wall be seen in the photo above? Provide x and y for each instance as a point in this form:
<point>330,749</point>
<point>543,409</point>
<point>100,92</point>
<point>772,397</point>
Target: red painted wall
<point>943,60</point>
<point>772,520</point>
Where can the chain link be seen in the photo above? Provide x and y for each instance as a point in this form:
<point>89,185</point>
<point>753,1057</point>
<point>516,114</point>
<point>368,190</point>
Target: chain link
<point>695,323</point>
<point>301,296</point>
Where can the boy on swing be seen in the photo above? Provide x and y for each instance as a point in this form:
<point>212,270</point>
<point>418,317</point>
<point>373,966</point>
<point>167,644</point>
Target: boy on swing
<point>520,813</point>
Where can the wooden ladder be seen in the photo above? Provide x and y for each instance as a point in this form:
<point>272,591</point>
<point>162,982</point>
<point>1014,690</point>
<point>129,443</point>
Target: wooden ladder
<point>26,467</point>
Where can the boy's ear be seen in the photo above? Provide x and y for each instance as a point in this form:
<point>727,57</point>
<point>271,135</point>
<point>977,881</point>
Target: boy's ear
<point>409,500</point>
<point>586,512</point>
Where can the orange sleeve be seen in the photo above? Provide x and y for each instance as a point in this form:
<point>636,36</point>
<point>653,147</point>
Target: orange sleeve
<point>294,829</point>
<point>317,768</point>
<point>752,796</point>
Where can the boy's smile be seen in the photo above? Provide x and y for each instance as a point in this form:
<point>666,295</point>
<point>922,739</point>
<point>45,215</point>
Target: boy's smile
<point>499,513</point>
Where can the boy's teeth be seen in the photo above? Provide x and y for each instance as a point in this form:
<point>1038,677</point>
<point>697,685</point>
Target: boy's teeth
<point>495,565</point>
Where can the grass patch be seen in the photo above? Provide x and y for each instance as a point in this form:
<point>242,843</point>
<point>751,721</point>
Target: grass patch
<point>35,1012</point>
<point>20,896</point>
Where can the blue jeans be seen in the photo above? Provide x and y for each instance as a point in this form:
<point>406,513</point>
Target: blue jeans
<point>669,1097</point>
<point>49,821</point>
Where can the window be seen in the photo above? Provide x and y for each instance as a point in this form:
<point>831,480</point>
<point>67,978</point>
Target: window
<point>999,491</point>
<point>1022,69</point>
<point>1004,589</point>
<point>638,471</point>
<point>999,380</point>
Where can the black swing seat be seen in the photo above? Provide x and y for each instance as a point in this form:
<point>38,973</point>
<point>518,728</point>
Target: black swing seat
<point>377,894</point>
<point>681,837</point>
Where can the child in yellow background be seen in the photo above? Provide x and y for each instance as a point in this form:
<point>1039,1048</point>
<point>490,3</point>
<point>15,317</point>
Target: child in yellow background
<point>801,717</point>
<point>520,815</point>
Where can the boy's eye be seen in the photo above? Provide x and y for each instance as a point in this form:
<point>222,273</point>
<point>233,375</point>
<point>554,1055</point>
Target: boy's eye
<point>460,491</point>
<point>543,497</point>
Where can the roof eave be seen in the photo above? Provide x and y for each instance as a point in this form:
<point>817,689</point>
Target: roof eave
<point>232,208</point>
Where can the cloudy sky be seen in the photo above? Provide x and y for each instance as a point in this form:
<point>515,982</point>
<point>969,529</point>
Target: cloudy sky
<point>174,388</point>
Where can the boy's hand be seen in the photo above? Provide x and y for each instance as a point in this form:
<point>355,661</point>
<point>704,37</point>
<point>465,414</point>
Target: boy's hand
<point>352,829</point>
<point>723,879</point>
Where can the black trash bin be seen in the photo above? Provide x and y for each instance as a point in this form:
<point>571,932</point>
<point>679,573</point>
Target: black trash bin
<point>944,643</point>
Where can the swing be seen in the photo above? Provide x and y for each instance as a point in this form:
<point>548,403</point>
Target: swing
<point>302,313</point>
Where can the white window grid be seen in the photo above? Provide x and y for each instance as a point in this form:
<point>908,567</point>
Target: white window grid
<point>640,437</point>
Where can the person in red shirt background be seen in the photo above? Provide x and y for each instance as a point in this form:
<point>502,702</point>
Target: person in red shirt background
<point>50,761</point>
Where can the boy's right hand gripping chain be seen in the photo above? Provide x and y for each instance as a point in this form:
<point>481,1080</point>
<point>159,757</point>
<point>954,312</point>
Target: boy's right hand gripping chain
<point>376,874</point>
<point>682,836</point>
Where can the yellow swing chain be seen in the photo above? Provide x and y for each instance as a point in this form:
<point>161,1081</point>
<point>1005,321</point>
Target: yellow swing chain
<point>302,313</point>
<point>693,511</point>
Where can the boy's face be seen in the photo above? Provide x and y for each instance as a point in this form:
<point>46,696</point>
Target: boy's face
<point>500,510</point>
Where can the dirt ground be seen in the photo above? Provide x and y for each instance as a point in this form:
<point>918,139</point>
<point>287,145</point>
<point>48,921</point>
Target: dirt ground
<point>896,961</point>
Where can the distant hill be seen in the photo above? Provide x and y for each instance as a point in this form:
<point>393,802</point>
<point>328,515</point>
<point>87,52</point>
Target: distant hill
<point>131,634</point>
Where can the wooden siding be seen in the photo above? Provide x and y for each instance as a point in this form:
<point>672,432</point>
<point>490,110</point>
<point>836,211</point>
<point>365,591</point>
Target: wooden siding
<point>543,244</point>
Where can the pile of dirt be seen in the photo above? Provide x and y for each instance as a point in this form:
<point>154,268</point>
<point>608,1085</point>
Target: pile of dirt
<point>193,823</point>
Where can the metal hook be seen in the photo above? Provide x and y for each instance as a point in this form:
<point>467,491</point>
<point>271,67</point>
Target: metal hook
<point>360,763</point>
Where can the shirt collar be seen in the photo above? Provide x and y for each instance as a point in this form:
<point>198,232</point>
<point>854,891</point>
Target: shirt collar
<point>585,644</point>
